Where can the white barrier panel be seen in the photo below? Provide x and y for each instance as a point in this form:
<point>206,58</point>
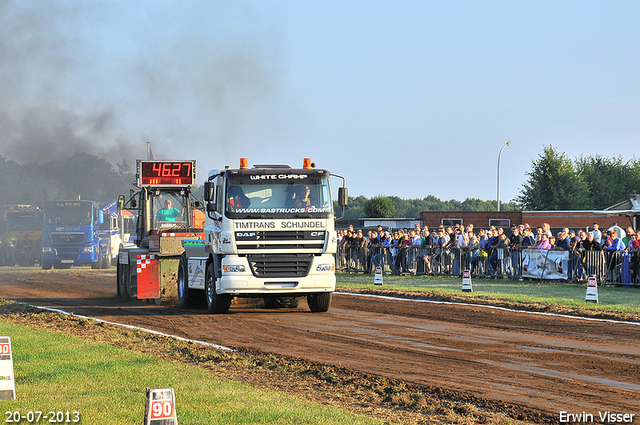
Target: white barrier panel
<point>160,408</point>
<point>466,281</point>
<point>545,264</point>
<point>7,383</point>
<point>592,290</point>
<point>377,280</point>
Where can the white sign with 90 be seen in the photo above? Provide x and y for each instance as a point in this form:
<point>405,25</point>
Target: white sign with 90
<point>160,408</point>
<point>7,383</point>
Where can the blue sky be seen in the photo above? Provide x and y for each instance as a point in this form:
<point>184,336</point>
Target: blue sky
<point>410,98</point>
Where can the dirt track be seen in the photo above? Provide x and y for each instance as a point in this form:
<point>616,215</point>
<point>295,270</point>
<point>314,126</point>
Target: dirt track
<point>548,363</point>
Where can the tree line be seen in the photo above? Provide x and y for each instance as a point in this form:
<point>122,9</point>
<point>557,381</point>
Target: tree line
<point>392,206</point>
<point>80,175</point>
<point>555,182</point>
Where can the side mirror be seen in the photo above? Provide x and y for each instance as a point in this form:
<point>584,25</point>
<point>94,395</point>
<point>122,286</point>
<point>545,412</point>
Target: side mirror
<point>343,196</point>
<point>209,191</point>
<point>100,216</point>
<point>120,204</point>
<point>209,195</point>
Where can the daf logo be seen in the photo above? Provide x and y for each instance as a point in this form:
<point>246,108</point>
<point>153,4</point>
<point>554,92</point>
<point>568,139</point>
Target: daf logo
<point>317,234</point>
<point>245,234</point>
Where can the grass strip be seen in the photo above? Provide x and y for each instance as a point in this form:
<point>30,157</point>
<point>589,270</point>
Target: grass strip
<point>106,384</point>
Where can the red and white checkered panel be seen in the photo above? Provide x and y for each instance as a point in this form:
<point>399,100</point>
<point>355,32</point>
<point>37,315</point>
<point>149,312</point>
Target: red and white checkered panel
<point>148,274</point>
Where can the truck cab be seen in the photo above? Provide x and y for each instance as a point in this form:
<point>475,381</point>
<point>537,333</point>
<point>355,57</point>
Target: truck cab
<point>24,222</point>
<point>269,233</point>
<point>70,234</point>
<point>115,230</point>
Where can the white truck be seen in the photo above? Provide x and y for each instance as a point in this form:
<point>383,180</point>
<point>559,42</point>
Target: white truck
<point>269,233</point>
<point>115,230</point>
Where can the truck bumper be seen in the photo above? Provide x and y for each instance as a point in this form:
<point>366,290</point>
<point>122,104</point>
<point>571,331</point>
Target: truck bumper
<point>245,283</point>
<point>77,259</point>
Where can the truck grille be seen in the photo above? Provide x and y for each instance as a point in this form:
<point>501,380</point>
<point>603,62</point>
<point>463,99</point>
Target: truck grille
<point>67,237</point>
<point>271,266</point>
<point>281,235</point>
<point>295,246</point>
<point>68,253</point>
<point>252,241</point>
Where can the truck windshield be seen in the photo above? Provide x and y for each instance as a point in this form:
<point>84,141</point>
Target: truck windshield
<point>68,213</point>
<point>22,222</point>
<point>310,196</point>
<point>170,210</point>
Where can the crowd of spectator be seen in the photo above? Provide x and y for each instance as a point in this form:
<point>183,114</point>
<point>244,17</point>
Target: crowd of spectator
<point>491,251</point>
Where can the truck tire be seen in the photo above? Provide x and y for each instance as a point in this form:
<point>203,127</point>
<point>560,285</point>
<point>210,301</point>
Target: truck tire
<point>281,302</point>
<point>319,303</point>
<point>217,304</point>
<point>118,280</point>
<point>124,281</point>
<point>186,296</point>
<point>46,266</point>
<point>106,261</point>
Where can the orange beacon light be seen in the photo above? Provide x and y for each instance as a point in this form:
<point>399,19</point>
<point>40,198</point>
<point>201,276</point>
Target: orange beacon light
<point>306,163</point>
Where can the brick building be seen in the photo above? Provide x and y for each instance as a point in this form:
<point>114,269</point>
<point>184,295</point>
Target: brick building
<point>622,214</point>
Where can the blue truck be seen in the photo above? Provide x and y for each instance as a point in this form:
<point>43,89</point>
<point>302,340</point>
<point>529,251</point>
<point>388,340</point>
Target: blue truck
<point>71,235</point>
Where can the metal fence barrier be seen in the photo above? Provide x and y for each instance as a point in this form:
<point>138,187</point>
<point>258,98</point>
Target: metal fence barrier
<point>608,266</point>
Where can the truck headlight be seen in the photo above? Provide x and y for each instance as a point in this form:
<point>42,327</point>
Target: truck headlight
<point>233,268</point>
<point>325,267</point>
<point>87,249</point>
<point>47,249</point>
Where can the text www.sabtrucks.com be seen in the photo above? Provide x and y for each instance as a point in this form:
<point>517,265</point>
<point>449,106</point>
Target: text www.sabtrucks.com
<point>606,417</point>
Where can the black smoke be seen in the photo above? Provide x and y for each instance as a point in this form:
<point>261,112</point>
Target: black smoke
<point>106,77</point>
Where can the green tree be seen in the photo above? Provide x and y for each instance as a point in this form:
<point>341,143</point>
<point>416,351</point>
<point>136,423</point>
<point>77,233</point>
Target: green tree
<point>553,184</point>
<point>609,180</point>
<point>475,204</point>
<point>379,207</point>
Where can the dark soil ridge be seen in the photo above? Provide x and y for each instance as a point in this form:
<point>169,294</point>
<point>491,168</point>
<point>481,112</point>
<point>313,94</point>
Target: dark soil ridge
<point>516,306</point>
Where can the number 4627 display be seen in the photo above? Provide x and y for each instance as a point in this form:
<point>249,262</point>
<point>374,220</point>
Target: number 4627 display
<point>166,173</point>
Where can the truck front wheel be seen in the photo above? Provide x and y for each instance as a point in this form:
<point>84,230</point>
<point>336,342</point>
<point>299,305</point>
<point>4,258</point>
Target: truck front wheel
<point>185,294</point>
<point>106,261</point>
<point>124,281</point>
<point>218,304</point>
<point>118,280</point>
<point>319,303</point>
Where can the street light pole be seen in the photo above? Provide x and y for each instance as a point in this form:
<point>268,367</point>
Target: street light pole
<point>499,158</point>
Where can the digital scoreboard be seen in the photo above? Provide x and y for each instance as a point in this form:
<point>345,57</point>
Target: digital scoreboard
<point>166,173</point>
